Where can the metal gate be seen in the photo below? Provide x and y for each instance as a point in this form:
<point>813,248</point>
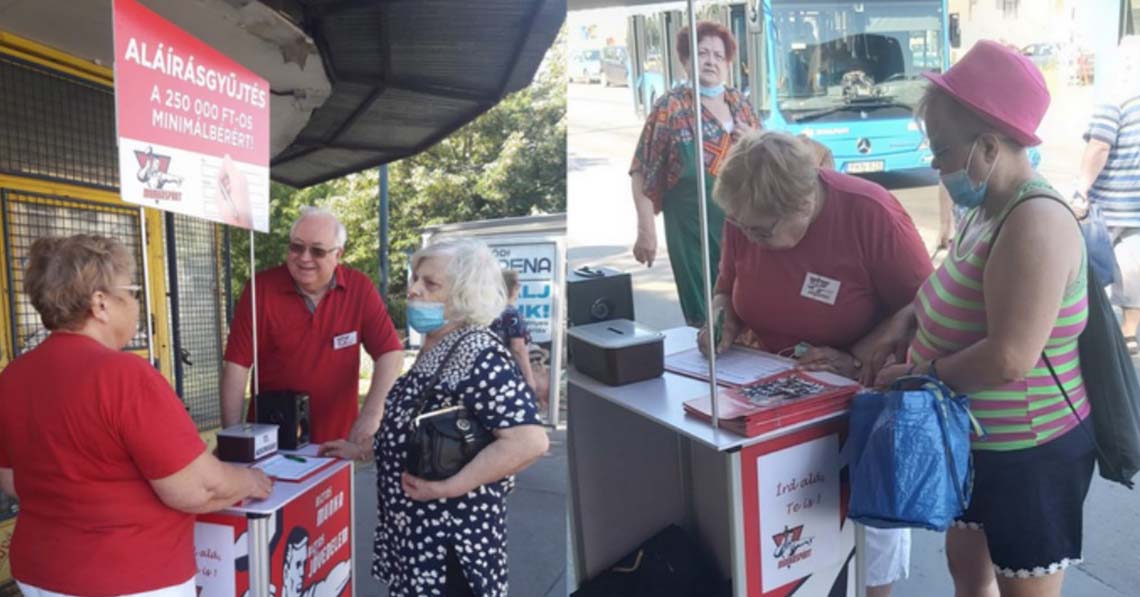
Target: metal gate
<point>196,314</point>
<point>28,216</point>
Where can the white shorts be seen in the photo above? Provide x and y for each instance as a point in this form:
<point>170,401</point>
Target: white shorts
<point>186,589</point>
<point>1126,248</point>
<point>888,555</point>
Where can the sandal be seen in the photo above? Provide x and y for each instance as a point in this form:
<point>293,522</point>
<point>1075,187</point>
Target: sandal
<point>1132,344</point>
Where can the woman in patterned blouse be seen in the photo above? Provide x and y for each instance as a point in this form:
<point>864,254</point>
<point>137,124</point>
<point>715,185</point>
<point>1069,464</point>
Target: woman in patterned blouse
<point>449,537</point>
<point>664,166</point>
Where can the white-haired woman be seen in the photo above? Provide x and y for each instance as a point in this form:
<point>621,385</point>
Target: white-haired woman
<point>450,536</point>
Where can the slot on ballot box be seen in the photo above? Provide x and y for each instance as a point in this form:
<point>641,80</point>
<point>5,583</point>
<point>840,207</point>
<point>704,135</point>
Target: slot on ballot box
<point>618,351</point>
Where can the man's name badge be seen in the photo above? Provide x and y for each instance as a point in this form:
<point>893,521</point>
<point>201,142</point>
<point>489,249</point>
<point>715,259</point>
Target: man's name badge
<point>344,340</point>
<point>820,288</point>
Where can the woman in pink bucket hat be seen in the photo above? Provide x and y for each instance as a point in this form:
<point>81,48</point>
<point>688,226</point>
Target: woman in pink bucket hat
<point>983,319</point>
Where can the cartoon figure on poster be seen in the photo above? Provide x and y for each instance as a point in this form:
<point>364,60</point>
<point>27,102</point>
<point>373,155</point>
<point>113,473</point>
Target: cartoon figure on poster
<point>291,576</point>
<point>293,573</point>
<point>153,170</point>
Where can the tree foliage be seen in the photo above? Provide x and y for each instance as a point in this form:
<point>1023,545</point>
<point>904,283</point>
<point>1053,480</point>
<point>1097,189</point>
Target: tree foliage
<point>511,161</point>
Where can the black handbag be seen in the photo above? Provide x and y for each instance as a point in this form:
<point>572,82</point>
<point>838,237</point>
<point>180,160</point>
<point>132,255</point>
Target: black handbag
<point>443,441</point>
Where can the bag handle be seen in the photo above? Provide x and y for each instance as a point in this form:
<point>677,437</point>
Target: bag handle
<point>421,403</point>
<point>944,420</point>
<point>942,391</point>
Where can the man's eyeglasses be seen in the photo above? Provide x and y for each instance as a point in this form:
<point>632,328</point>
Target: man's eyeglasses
<point>299,249</point>
<point>133,289</point>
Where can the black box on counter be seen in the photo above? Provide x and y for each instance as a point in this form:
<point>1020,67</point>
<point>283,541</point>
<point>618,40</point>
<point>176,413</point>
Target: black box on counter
<point>598,294</point>
<point>290,412</point>
<point>618,351</point>
<point>247,442</point>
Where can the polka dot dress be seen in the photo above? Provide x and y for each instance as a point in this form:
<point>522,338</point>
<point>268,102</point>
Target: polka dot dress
<point>412,538</point>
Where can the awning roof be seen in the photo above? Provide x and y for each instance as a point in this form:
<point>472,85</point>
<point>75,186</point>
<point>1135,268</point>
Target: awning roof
<point>405,74</point>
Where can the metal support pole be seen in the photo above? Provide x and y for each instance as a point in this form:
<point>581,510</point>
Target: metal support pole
<point>175,303</point>
<point>699,139</point>
<point>382,251</point>
<point>146,288</point>
<point>253,319</point>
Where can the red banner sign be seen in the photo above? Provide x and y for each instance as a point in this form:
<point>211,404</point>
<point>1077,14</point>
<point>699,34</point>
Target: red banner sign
<point>193,124</point>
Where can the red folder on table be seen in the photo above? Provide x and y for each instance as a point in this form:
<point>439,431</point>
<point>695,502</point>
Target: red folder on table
<point>776,401</point>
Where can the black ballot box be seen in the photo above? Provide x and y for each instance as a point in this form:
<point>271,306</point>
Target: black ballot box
<point>598,294</point>
<point>290,412</point>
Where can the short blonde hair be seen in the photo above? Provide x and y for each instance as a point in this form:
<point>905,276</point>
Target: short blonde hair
<point>63,273</point>
<point>767,173</point>
<point>478,294</point>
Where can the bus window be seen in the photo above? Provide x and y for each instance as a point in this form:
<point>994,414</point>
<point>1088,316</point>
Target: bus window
<point>835,58</point>
<point>652,83</point>
<point>740,70</point>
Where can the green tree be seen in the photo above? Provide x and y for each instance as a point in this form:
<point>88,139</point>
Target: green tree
<point>511,161</point>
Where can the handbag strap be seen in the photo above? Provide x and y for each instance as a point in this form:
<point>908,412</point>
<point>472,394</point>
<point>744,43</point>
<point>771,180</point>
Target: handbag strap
<point>1052,194</point>
<point>941,392</point>
<point>422,401</point>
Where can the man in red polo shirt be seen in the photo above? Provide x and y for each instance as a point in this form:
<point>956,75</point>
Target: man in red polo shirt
<point>312,317</point>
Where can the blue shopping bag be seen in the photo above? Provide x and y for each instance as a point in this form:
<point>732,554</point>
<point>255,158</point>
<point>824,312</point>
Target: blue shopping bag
<point>1098,242</point>
<point>910,455</point>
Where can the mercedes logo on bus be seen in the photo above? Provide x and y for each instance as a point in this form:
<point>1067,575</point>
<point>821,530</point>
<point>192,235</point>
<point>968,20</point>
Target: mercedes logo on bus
<point>863,145</point>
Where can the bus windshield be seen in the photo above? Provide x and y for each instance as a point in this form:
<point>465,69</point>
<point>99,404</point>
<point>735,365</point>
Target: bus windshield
<point>833,59</point>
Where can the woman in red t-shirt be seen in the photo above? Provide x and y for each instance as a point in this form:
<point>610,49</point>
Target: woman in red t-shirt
<point>813,256</point>
<point>108,467</point>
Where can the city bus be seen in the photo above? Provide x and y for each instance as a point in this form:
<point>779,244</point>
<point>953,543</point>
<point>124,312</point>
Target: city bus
<point>847,74</point>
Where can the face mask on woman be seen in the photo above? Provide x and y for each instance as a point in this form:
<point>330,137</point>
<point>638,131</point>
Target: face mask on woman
<point>425,316</point>
<point>961,189</point>
<point>712,91</point>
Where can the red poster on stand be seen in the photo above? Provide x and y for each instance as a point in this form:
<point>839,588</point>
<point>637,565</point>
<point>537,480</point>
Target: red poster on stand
<point>798,540</point>
<point>313,557</point>
<point>193,125</point>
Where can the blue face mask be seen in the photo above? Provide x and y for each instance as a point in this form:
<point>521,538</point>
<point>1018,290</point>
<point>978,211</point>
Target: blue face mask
<point>425,317</point>
<point>961,189</point>
<point>712,91</point>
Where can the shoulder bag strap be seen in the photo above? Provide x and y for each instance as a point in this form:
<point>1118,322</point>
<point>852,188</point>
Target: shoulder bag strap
<point>422,401</point>
<point>1050,193</point>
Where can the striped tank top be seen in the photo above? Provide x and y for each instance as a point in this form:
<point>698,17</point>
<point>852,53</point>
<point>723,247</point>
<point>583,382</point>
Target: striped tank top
<point>950,309</point>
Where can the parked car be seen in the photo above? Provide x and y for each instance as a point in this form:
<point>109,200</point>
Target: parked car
<point>586,66</point>
<point>615,66</point>
<point>1043,54</point>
